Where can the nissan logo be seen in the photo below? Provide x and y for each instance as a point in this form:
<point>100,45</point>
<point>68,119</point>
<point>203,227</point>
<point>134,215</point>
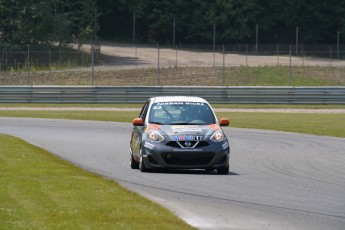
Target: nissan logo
<point>187,144</point>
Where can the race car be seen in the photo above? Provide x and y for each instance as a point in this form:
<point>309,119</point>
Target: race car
<point>179,132</point>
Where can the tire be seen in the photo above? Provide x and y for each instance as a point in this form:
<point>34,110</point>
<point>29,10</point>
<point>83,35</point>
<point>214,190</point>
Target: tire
<point>223,171</point>
<point>142,166</point>
<point>133,164</point>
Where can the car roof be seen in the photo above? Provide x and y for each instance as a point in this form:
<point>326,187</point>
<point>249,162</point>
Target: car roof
<point>178,98</point>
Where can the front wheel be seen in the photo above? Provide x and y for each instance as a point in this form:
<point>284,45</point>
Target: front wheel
<point>132,162</point>
<point>142,166</point>
<point>223,171</point>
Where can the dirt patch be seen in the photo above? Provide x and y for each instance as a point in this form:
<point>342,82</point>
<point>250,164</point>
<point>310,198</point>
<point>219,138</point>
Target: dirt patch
<point>131,56</point>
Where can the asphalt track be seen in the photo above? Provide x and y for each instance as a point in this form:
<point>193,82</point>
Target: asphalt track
<point>278,180</point>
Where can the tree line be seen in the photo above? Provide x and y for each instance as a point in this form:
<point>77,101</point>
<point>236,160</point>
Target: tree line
<point>46,21</point>
<point>234,21</point>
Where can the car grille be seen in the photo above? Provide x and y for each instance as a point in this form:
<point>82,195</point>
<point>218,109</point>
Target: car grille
<point>174,144</point>
<point>188,158</point>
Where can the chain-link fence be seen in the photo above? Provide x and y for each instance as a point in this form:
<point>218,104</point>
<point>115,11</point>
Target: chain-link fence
<point>42,57</point>
<point>183,64</point>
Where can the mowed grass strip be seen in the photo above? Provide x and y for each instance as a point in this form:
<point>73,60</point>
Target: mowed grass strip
<point>318,124</point>
<point>120,116</point>
<point>68,105</point>
<point>139,106</point>
<point>198,76</point>
<point>40,191</point>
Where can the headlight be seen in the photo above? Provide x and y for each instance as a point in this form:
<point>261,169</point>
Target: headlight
<point>155,136</point>
<point>218,136</point>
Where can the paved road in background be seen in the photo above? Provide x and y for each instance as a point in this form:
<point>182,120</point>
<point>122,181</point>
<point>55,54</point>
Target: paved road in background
<point>278,180</point>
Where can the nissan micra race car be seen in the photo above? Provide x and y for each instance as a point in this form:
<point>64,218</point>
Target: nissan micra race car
<point>179,133</point>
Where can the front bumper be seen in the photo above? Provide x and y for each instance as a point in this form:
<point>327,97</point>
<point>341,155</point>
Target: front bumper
<point>161,156</point>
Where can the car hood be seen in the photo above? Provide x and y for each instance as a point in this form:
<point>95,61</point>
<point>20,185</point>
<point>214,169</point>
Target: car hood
<point>177,130</point>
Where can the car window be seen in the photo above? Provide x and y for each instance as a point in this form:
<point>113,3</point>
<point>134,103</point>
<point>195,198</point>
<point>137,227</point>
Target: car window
<point>181,113</point>
<point>143,111</point>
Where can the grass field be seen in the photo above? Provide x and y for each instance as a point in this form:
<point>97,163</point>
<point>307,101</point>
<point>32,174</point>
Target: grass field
<point>318,124</point>
<point>41,191</point>
<point>198,76</point>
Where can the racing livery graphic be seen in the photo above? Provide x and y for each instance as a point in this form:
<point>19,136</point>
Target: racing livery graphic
<point>179,133</point>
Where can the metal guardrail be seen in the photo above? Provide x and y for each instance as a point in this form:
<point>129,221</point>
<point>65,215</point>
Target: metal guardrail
<point>222,95</point>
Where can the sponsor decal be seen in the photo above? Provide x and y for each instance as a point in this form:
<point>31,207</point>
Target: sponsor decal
<point>187,138</point>
<point>180,103</point>
<point>157,107</point>
<point>195,103</point>
<point>187,150</point>
<point>149,145</point>
<point>185,128</point>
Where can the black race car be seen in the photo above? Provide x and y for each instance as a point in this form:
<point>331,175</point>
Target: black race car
<point>179,133</point>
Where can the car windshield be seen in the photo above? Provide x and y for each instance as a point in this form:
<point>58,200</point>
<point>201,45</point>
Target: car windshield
<point>181,113</point>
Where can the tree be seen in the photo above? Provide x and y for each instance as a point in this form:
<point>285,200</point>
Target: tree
<point>37,21</point>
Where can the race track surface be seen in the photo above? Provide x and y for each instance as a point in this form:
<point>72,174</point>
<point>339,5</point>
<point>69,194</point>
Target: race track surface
<point>278,180</point>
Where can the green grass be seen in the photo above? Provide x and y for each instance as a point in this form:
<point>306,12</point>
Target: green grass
<point>71,105</point>
<point>237,106</point>
<point>40,191</point>
<point>120,116</point>
<point>198,76</point>
<point>275,106</point>
<point>318,124</point>
<point>280,76</point>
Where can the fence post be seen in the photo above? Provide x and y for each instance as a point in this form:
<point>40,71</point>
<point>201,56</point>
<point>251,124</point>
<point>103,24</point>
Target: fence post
<point>134,28</point>
<point>6,61</point>
<point>302,55</point>
<point>330,55</point>
<point>214,43</point>
<point>136,55</point>
<point>176,56</point>
<point>92,63</point>
<point>277,54</point>
<point>338,45</point>
<point>257,38</point>
<point>174,28</point>
<point>50,59</point>
<point>223,66</point>
<point>158,65</point>
<point>296,41</point>
<point>290,65</point>
<point>246,55</point>
<point>28,64</point>
<point>60,56</point>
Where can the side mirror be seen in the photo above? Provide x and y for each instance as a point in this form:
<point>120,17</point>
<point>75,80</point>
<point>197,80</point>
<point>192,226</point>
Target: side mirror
<point>138,122</point>
<point>224,122</point>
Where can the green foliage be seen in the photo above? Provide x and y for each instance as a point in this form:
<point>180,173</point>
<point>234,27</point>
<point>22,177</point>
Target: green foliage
<point>235,20</point>
<point>37,21</point>
<point>34,21</point>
